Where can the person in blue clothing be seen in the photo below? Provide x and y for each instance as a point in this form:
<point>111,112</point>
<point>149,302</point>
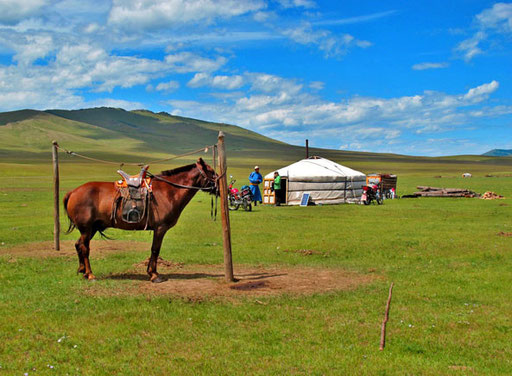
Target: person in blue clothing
<point>255,178</point>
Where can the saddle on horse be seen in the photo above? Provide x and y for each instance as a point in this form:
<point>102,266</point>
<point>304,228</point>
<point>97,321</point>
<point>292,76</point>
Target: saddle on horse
<point>134,195</point>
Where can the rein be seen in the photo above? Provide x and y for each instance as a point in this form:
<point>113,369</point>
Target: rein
<point>180,185</point>
<point>211,189</point>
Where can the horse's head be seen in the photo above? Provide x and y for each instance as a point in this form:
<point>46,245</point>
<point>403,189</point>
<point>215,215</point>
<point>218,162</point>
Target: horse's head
<point>208,178</point>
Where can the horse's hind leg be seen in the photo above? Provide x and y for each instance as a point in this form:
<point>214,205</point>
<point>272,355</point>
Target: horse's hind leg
<point>158,237</point>
<point>83,249</point>
<point>81,263</point>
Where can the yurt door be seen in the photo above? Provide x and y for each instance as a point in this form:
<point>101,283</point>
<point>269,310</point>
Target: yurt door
<point>284,190</point>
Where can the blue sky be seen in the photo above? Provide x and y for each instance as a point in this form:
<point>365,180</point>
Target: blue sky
<point>417,77</point>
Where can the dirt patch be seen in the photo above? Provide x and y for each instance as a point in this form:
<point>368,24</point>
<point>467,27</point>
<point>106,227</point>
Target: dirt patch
<point>196,283</point>
<point>67,248</point>
<point>505,234</point>
<point>200,282</point>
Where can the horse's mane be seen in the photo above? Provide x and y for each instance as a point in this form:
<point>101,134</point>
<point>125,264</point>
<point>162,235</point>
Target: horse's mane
<point>177,170</point>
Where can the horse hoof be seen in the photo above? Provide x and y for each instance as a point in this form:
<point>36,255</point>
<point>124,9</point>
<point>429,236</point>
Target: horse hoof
<point>157,280</point>
<point>89,277</point>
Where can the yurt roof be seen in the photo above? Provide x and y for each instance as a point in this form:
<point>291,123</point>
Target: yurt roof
<point>316,169</point>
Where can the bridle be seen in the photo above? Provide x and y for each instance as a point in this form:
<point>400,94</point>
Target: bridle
<point>211,186</point>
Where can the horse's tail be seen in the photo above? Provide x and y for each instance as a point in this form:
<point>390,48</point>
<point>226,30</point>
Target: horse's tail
<point>72,225</point>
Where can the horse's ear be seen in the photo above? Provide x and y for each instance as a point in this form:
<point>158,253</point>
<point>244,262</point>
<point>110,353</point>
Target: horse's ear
<point>201,162</point>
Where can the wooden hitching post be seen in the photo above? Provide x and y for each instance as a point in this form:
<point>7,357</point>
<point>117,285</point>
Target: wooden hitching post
<point>56,219</point>
<point>223,191</point>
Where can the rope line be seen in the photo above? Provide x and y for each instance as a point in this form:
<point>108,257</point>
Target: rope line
<point>72,153</point>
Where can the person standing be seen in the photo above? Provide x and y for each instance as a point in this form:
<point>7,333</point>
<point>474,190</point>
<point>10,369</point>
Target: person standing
<point>255,178</point>
<point>277,188</point>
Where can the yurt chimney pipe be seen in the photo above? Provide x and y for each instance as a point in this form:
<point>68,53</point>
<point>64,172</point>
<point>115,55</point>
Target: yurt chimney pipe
<point>307,148</point>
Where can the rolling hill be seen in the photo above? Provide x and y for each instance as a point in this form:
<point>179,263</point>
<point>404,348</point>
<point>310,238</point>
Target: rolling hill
<point>498,153</point>
<point>121,134</point>
<point>134,136</point>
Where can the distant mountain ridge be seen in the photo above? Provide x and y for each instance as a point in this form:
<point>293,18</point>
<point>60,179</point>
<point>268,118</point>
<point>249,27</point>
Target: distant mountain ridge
<point>498,153</point>
<point>118,135</point>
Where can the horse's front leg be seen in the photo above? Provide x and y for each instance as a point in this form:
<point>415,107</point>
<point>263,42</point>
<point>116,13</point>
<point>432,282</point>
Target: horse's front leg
<point>158,237</point>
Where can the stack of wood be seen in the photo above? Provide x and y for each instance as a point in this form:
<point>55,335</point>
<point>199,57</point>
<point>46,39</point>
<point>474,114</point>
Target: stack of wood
<point>444,192</point>
<point>491,196</point>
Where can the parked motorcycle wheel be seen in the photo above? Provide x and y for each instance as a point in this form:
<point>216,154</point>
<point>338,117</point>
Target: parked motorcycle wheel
<point>379,200</point>
<point>247,206</point>
<point>232,205</point>
<point>368,201</point>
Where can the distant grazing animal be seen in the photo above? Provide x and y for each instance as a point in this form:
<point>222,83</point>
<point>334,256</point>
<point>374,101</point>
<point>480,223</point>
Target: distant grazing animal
<point>91,208</point>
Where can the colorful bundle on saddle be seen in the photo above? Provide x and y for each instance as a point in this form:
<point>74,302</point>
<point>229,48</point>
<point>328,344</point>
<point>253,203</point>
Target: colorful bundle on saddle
<point>134,193</point>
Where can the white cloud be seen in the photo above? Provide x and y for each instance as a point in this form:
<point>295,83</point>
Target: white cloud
<point>168,86</point>
<point>92,28</point>
<point>471,47</point>
<point>481,92</point>
<point>498,17</point>
<point>89,67</point>
<point>13,11</point>
<point>328,43</point>
<point>492,111</point>
<point>33,48</point>
<point>268,83</point>
<point>218,82</point>
<point>317,85</point>
<point>187,62</point>
<point>297,3</point>
<point>424,66</point>
<point>264,16</point>
<point>357,19</point>
<point>292,115</point>
<point>153,14</point>
<point>496,20</point>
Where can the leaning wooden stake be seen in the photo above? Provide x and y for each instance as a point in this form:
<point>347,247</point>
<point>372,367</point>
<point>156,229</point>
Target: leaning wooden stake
<point>386,317</point>
<point>56,219</point>
<point>223,191</point>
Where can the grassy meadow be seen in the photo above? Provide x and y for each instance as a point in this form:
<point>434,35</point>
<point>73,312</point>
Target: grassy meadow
<point>451,312</point>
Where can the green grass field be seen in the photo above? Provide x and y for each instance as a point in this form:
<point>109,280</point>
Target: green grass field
<point>451,312</point>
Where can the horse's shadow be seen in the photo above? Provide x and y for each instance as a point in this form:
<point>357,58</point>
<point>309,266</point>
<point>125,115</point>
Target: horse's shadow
<point>164,276</point>
<point>246,277</point>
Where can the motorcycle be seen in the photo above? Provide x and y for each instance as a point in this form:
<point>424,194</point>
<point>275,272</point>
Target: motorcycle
<point>237,198</point>
<point>371,193</point>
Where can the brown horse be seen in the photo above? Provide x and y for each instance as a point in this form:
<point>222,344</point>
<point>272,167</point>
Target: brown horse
<point>90,209</point>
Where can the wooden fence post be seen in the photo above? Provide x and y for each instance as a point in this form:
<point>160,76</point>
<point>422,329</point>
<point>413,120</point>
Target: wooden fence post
<point>226,229</point>
<point>56,218</point>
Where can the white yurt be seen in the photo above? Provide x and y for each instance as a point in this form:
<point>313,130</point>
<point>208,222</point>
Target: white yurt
<point>327,182</point>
